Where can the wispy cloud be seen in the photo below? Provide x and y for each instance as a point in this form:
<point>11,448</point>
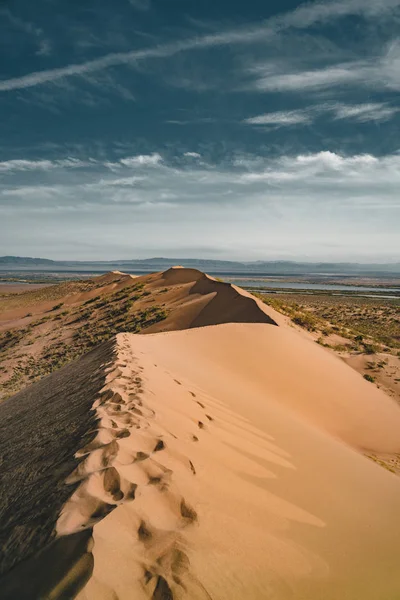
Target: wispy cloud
<point>32,191</point>
<point>142,159</point>
<point>141,5</point>
<point>44,45</point>
<point>41,165</point>
<point>301,200</point>
<point>360,175</point>
<point>281,118</point>
<point>301,18</point>
<point>362,113</point>
<point>305,80</point>
<point>121,182</point>
<point>366,112</point>
<point>375,72</point>
<point>192,154</point>
<point>205,182</point>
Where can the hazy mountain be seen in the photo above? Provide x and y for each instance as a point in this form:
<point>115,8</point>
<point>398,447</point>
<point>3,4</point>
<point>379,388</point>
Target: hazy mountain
<point>278,267</point>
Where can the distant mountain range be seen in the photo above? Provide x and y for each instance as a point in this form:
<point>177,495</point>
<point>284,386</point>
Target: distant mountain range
<point>278,267</point>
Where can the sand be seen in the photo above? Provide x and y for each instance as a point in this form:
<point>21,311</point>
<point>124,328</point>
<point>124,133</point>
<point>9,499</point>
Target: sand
<point>227,462</point>
<point>246,482</point>
<point>16,288</point>
<point>41,430</point>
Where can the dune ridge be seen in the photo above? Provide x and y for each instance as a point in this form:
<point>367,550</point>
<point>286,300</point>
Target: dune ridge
<point>128,462</point>
<point>198,300</point>
<point>64,321</point>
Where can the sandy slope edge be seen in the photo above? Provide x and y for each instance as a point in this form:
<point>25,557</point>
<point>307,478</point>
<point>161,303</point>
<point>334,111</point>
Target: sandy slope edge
<point>41,429</point>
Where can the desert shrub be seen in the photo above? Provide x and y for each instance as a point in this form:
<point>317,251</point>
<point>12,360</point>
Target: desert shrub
<point>91,300</point>
<point>304,320</point>
<point>369,377</point>
<point>57,306</point>
<point>370,349</point>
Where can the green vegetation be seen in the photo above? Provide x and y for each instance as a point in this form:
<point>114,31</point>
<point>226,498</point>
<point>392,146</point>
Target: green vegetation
<point>91,300</point>
<point>390,464</point>
<point>53,292</point>
<point>369,377</point>
<point>74,332</point>
<point>57,306</point>
<point>370,324</point>
<point>10,338</point>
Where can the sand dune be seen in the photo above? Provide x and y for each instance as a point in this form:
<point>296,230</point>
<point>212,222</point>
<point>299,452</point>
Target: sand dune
<point>226,462</point>
<point>196,300</point>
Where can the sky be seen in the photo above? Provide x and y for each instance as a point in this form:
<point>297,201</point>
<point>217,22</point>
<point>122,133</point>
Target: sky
<point>195,128</point>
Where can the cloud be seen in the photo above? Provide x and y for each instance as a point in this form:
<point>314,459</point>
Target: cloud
<point>328,172</point>
<point>306,80</point>
<point>195,121</point>
<point>31,191</point>
<point>375,72</point>
<point>291,117</point>
<point>141,5</point>
<point>41,165</point>
<point>336,175</point>
<point>121,182</point>
<point>25,165</point>
<point>44,48</point>
<point>302,17</point>
<point>362,113</point>
<point>142,159</point>
<point>192,154</point>
<point>366,112</point>
<point>44,45</point>
<point>298,203</point>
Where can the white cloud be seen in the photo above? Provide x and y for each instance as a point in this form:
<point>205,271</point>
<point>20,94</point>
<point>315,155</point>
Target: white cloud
<point>299,203</point>
<point>291,117</point>
<point>377,111</point>
<point>123,181</point>
<point>362,174</point>
<point>376,73</point>
<point>32,191</point>
<point>192,154</point>
<point>41,165</point>
<point>317,176</point>
<point>142,160</point>
<point>302,17</point>
<point>306,80</point>
<point>366,112</point>
<point>25,165</point>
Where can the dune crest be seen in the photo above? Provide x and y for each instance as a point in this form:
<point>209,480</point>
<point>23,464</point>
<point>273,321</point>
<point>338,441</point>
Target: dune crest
<point>198,300</point>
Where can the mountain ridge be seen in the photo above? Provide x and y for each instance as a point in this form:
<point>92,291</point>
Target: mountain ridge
<point>282,267</point>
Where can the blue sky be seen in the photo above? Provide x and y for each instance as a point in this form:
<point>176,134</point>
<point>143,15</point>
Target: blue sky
<point>242,130</point>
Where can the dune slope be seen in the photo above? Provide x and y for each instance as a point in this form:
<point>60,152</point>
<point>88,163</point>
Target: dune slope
<point>240,492</point>
<point>41,429</point>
